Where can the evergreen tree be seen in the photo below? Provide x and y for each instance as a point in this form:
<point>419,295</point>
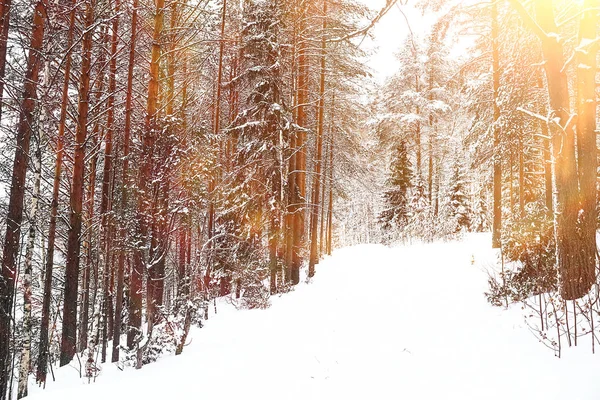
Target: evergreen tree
<point>480,220</point>
<point>459,212</point>
<point>396,212</point>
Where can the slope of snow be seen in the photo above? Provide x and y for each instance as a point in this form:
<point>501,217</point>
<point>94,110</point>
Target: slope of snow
<point>375,323</point>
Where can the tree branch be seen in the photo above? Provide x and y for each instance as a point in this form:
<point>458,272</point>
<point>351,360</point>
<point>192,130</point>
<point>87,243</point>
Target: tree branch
<point>364,31</point>
<point>528,19</point>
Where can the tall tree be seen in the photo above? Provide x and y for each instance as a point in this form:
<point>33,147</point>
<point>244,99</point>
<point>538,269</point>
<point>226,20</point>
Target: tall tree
<point>69,326</point>
<point>42,364</point>
<point>576,277</point>
<point>497,174</point>
<point>17,188</point>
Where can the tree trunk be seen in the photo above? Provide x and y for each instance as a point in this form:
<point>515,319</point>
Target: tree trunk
<point>5,6</point>
<point>497,179</point>
<point>17,189</point>
<point>107,174</point>
<point>330,207</point>
<point>124,200</point>
<point>314,217</point>
<point>299,198</point>
<point>147,206</point>
<point>575,277</point>
<point>69,326</point>
<point>586,140</point>
<point>27,276</point>
<point>42,368</point>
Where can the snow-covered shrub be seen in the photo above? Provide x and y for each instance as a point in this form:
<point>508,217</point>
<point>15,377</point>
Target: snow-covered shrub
<point>166,336</point>
<point>529,246</point>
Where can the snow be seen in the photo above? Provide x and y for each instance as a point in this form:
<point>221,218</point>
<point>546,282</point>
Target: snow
<point>408,322</point>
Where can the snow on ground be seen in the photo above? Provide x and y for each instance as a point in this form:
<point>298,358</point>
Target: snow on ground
<point>376,323</point>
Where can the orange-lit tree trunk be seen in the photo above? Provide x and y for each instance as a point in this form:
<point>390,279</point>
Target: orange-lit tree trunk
<point>299,193</point>
<point>146,204</point>
<point>497,174</point>
<point>89,221</point>
<point>576,278</point>
<point>42,365</point>
<point>17,191</point>
<point>329,227</point>
<point>323,192</point>
<point>330,206</point>
<point>315,204</point>
<point>586,136</point>
<point>69,325</point>
<point>135,305</point>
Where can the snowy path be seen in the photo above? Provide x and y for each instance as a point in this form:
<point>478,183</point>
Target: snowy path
<point>377,323</point>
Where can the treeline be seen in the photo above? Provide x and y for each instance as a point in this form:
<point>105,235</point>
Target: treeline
<point>158,155</point>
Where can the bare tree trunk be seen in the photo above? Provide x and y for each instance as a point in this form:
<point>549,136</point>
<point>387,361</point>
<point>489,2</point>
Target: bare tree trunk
<point>69,326</point>
<point>576,279</point>
<point>497,180</point>
<point>299,198</point>
<point>45,321</point>
<point>5,6</point>
<point>586,138</point>
<point>147,206</point>
<point>324,184</point>
<point>91,263</point>
<point>27,276</point>
<point>107,175</point>
<point>17,189</point>
<point>314,217</point>
<point>124,199</point>
<point>330,207</point>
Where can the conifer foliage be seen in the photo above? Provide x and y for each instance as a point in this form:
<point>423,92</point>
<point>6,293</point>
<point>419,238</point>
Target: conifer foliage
<point>397,198</point>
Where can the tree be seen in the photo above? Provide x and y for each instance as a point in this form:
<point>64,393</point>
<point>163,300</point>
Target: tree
<point>69,326</point>
<point>17,188</point>
<point>397,197</point>
<point>576,277</point>
<point>459,213</point>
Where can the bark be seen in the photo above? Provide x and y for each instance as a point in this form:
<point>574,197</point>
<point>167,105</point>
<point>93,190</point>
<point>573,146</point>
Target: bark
<point>5,6</point>
<point>147,206</point>
<point>27,276</point>
<point>137,270</point>
<point>299,198</point>
<point>330,207</point>
<point>575,277</point>
<point>91,263</point>
<point>324,184</point>
<point>586,139</point>
<point>106,201</point>
<point>17,189</point>
<point>69,326</point>
<point>497,174</point>
<point>124,200</point>
<point>314,218</point>
<point>42,368</point>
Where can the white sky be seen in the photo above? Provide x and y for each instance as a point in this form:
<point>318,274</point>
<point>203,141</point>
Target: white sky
<point>389,35</point>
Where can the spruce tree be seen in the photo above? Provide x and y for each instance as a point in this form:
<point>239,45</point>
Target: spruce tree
<point>459,213</point>
<point>396,211</point>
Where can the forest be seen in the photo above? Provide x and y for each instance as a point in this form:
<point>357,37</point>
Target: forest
<point>157,156</point>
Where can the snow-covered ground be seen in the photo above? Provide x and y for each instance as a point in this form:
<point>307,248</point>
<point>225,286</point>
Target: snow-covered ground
<point>376,323</point>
